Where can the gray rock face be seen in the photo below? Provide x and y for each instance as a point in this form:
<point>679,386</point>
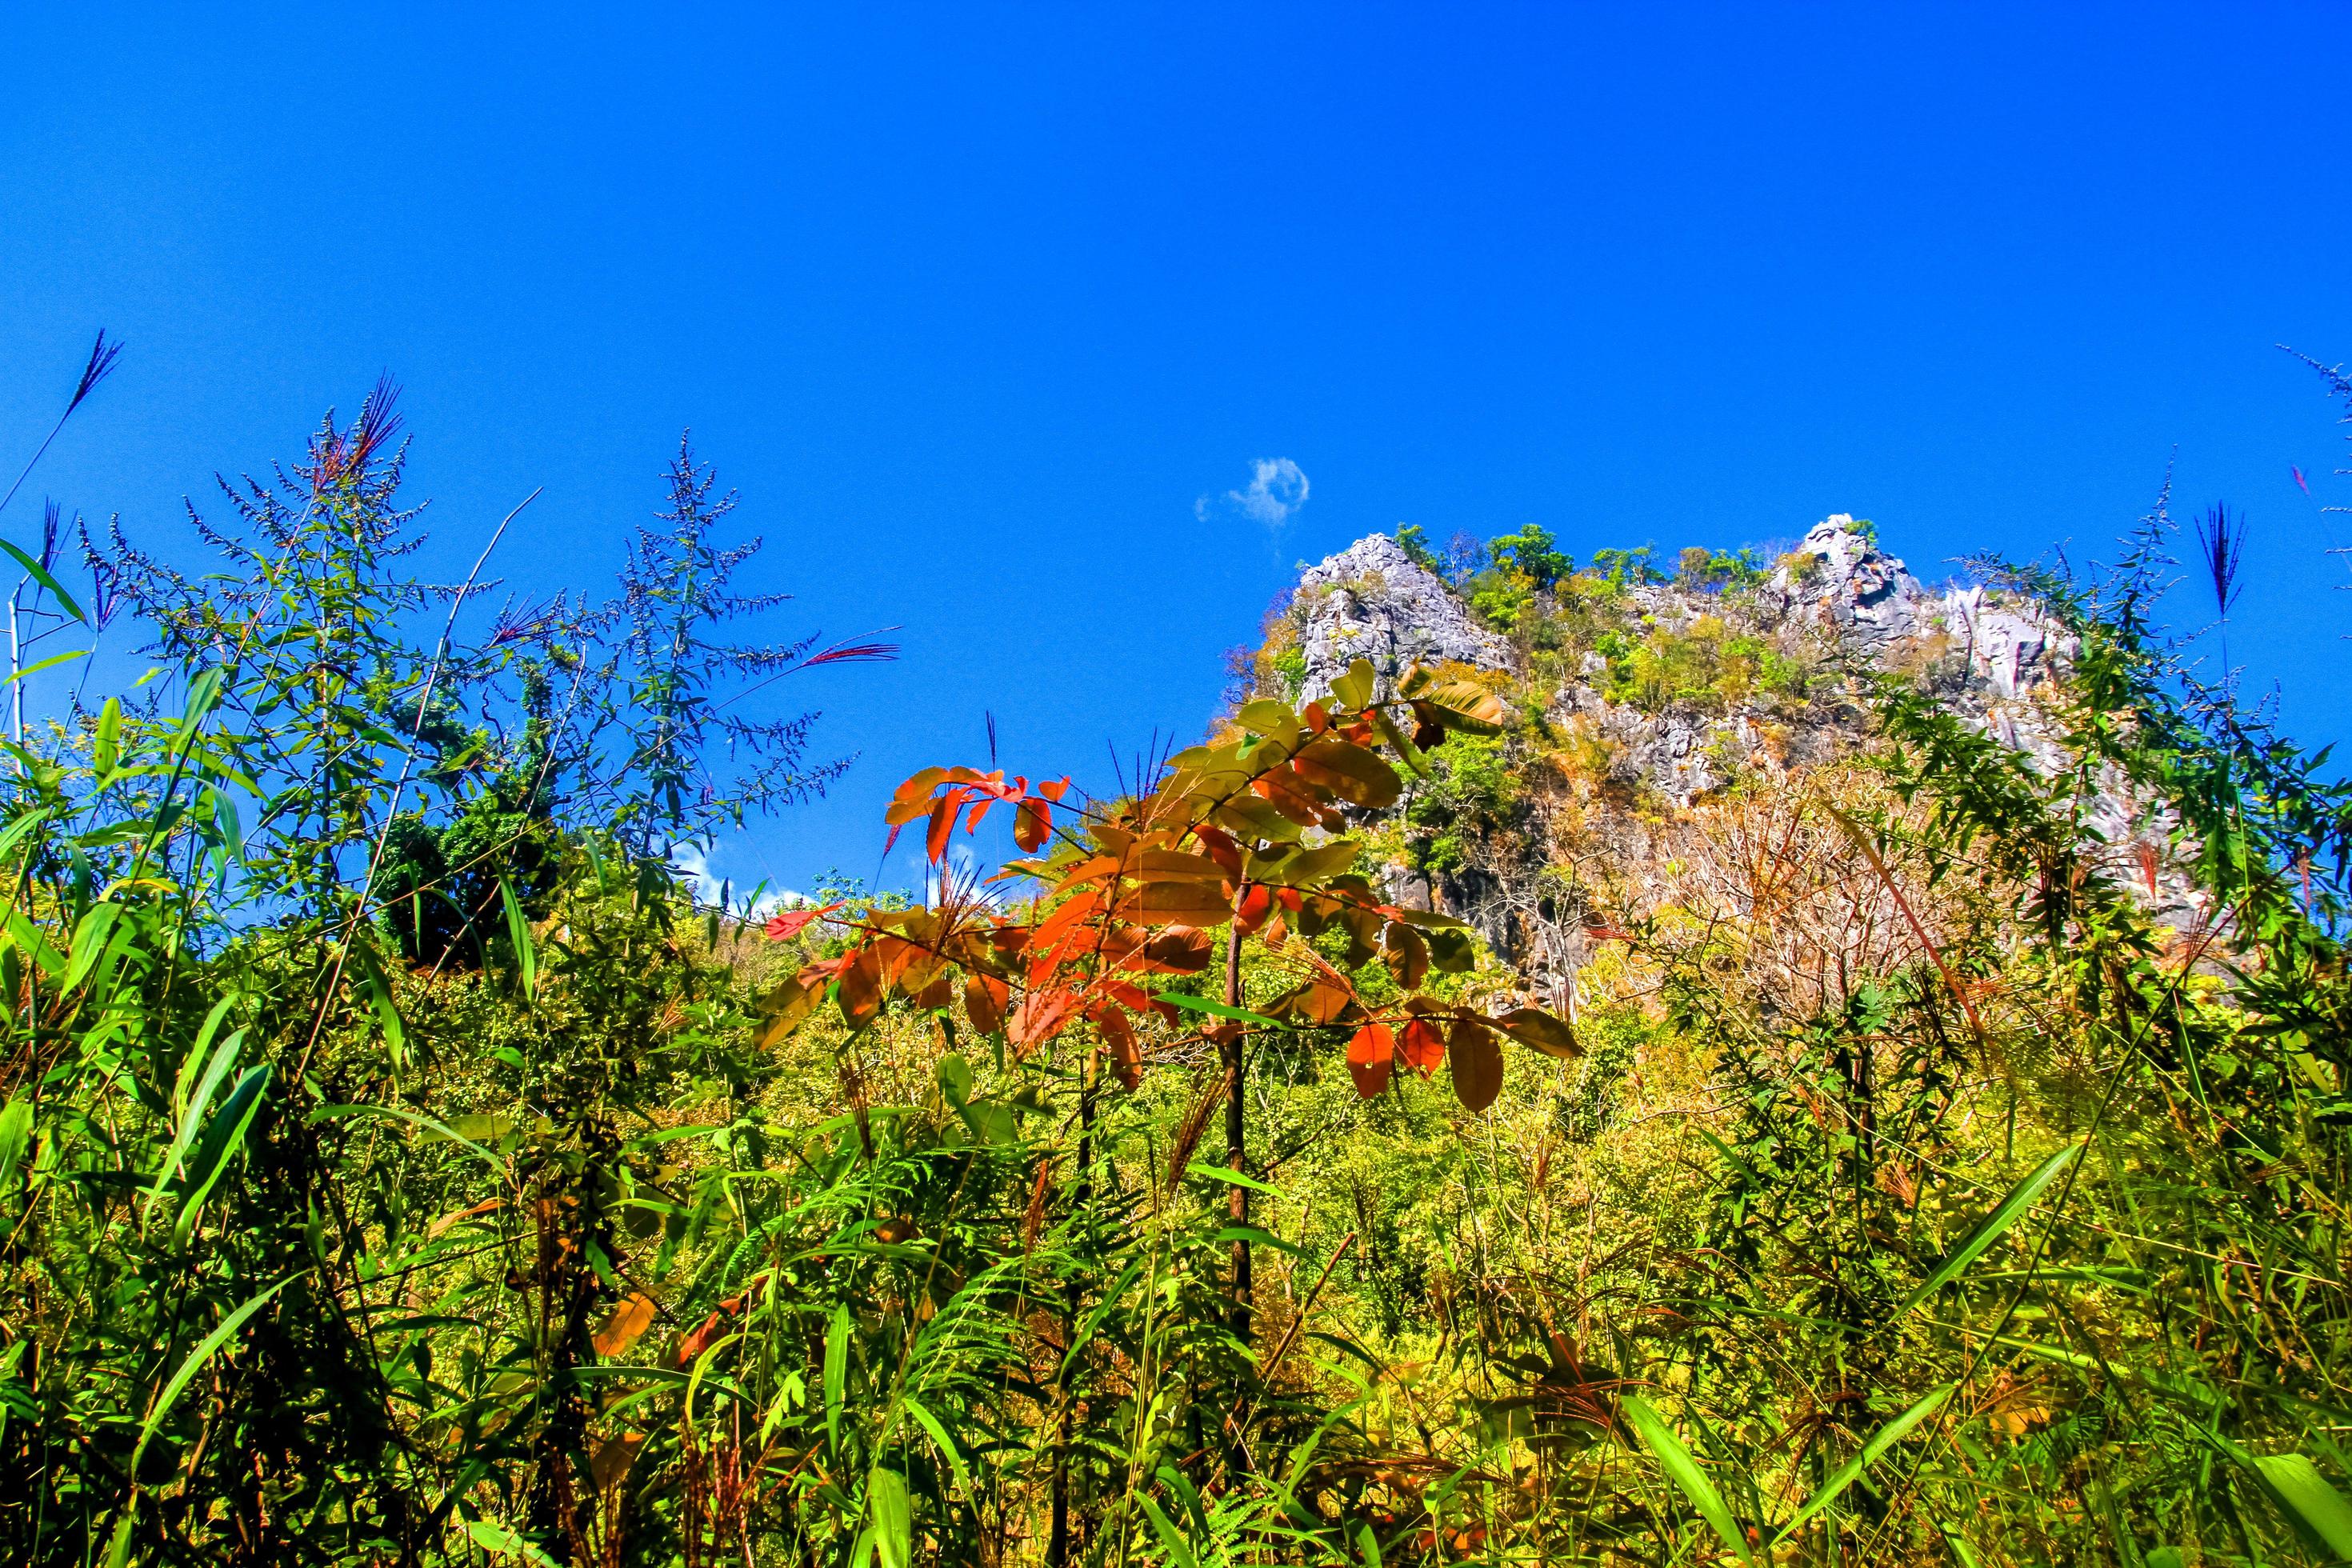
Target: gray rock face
<point>1992,657</point>
<point>1868,595</point>
<point>1871,600</point>
<point>1373,601</point>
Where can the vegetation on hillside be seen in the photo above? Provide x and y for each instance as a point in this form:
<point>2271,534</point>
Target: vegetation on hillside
<point>399,1164</point>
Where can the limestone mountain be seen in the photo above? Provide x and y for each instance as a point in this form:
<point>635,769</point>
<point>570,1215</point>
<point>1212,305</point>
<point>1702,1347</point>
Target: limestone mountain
<point>1652,705</point>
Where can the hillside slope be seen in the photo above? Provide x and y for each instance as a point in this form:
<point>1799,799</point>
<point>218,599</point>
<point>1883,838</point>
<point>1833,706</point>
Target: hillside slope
<point>1648,702</point>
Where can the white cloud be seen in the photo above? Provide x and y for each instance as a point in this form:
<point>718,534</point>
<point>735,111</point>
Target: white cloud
<point>692,864</point>
<point>1278,487</point>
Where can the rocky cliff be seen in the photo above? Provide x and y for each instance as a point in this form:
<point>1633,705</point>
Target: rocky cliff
<point>1651,702</point>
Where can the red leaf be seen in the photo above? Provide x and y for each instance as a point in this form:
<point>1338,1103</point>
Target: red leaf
<point>695,1343</point>
<point>1256,904</point>
<point>943,815</point>
<point>1423,1046</point>
<point>1221,849</point>
<point>791,922</point>
<point>1126,1055</point>
<point>1371,1056</point>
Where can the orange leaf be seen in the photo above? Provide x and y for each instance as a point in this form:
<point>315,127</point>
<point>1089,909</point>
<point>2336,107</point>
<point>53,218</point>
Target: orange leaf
<point>701,1340</point>
<point>984,1002</point>
<point>626,1325</point>
<point>1406,955</point>
<point>1356,775</point>
<point>1423,1046</point>
<point>1179,903</point>
<point>897,955</point>
<point>1325,1001</point>
<point>787,1005</point>
<point>1257,903</point>
<point>861,988</point>
<point>1174,950</point>
<point>943,815</point>
<point>1533,1027</point>
<point>1033,824</point>
<point>1371,1056</point>
<point>1281,788</point>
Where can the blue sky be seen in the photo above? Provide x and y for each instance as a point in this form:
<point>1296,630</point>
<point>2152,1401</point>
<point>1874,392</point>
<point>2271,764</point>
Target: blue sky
<point>976,306</point>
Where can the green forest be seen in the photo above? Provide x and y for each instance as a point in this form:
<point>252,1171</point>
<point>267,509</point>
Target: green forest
<point>1699,1081</point>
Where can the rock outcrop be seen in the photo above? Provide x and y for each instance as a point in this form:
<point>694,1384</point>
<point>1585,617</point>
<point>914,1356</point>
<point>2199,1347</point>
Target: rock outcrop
<point>1835,605</point>
<point>1373,601</point>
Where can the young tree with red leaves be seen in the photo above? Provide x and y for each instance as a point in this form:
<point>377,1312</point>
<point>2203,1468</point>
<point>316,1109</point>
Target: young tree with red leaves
<point>1250,837</point>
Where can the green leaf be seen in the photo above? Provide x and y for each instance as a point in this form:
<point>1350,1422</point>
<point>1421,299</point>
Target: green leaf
<point>194,1364</point>
<point>192,1116</point>
<point>1401,742</point>
<point>1257,1238</point>
<point>1232,1178</point>
<point>892,1514</point>
<point>1179,1552</point>
<point>2321,1515</point>
<point>15,832</point>
<point>89,943</point>
<point>223,1136</point>
<point>836,1372</point>
<point>1354,690</point>
<point>106,740</point>
<point>955,1079</point>
<point>518,932</point>
<point>1993,1226</point>
<point>36,944</point>
<point>440,1130</point>
<point>50,663</point>
<point>40,574</point>
<point>15,1132</point>
<point>501,1540</point>
<point>1271,719</point>
<point>1848,1473</point>
<point>1219,1009</point>
<point>946,1444</point>
<point>1676,1462</point>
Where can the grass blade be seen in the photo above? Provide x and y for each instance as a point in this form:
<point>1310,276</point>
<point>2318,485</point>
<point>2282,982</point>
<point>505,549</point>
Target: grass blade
<point>40,574</point>
<point>518,932</point>
<point>892,1514</point>
<point>2319,1511</point>
<point>1677,1462</point>
<point>1179,1552</point>
<point>1993,1226</point>
<point>188,1369</point>
<point>1885,1438</point>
